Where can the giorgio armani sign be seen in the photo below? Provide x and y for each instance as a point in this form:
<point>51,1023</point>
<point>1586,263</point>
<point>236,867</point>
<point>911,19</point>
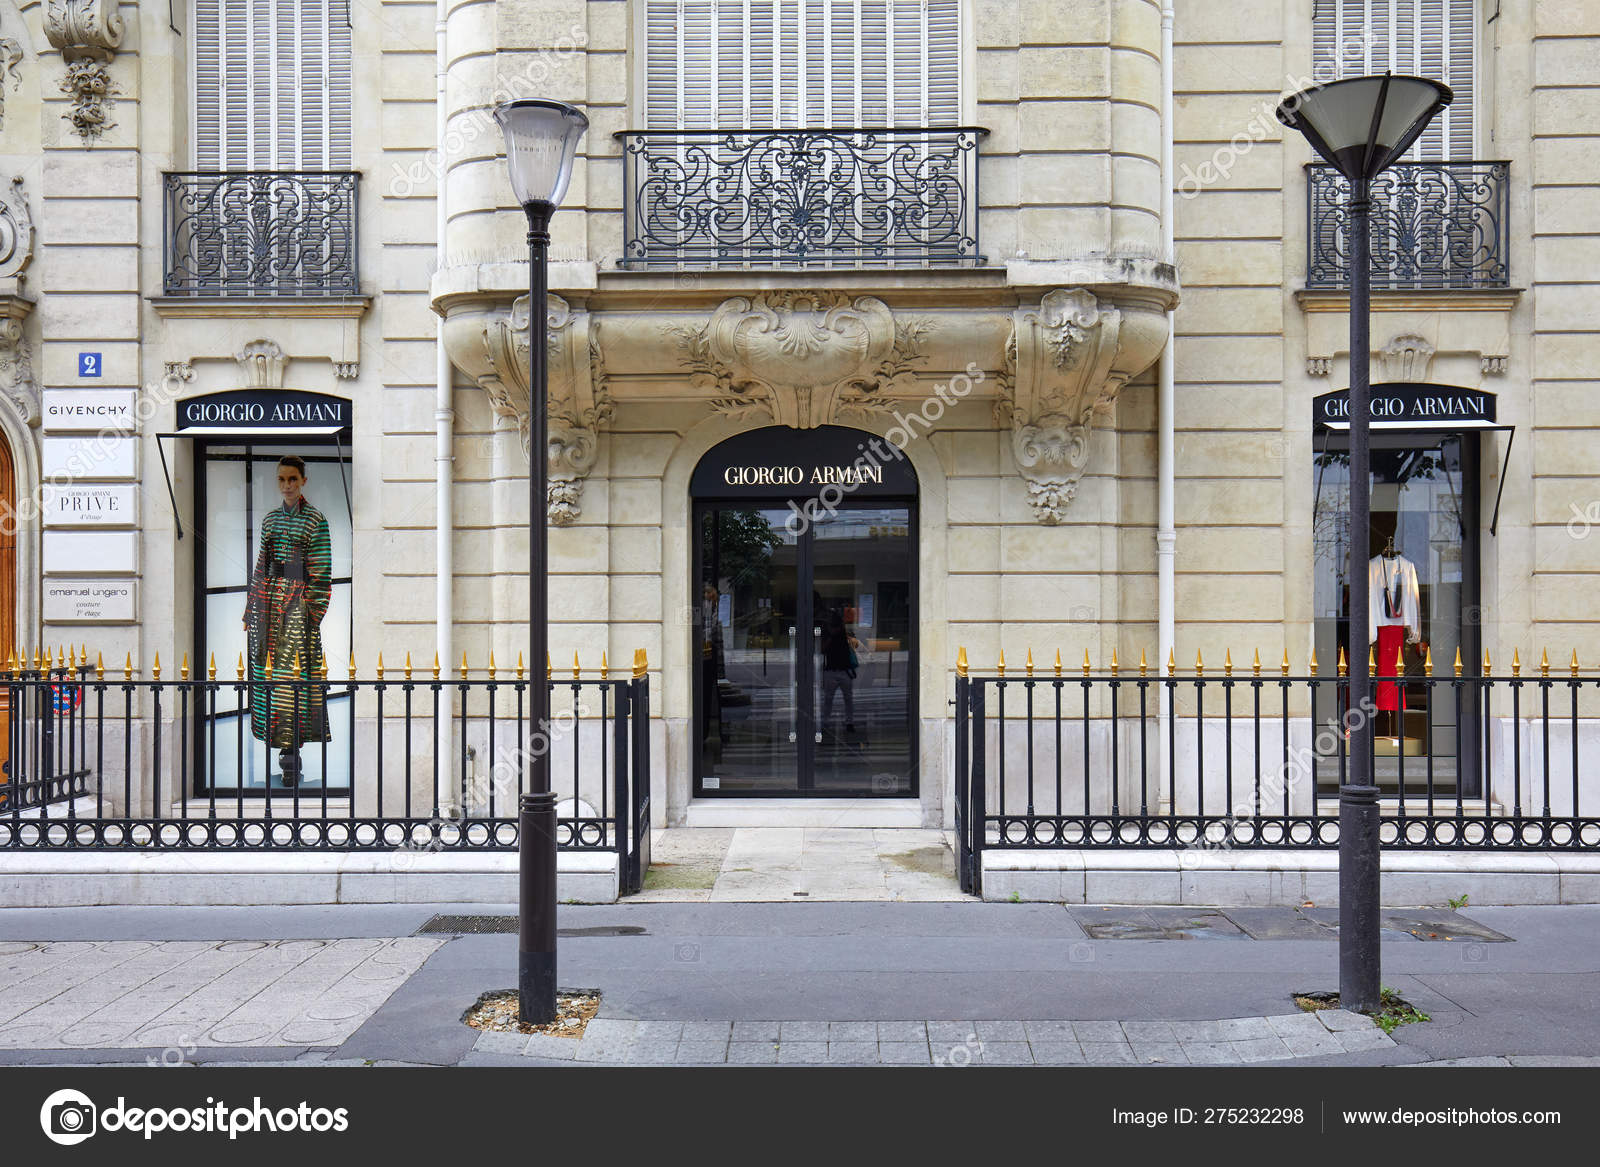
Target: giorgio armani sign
<point>782,462</point>
<point>1411,405</point>
<point>286,410</point>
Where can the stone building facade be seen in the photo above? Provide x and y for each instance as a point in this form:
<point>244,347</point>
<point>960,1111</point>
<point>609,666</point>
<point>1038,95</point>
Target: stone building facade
<point>1020,372</point>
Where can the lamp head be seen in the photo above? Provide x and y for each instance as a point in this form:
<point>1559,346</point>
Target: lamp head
<point>541,142</point>
<point>1362,124</point>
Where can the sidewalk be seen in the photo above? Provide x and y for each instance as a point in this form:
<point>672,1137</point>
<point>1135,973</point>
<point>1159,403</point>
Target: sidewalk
<point>784,982</point>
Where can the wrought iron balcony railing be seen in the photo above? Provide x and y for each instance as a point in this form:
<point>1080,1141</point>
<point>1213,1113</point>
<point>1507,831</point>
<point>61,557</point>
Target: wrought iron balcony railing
<point>823,197</point>
<point>260,233</point>
<point>1435,225</point>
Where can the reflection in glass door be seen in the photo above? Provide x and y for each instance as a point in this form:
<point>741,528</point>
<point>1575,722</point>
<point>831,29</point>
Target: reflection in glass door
<point>806,642</point>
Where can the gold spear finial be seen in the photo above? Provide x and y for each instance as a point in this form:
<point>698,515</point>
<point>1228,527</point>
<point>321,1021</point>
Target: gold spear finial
<point>183,668</point>
<point>1544,662</point>
<point>1458,660</point>
<point>1028,664</point>
<point>49,661</point>
<point>605,667</point>
<point>1113,660</point>
<point>641,664</point>
<point>11,660</point>
<point>322,667</point>
<point>38,659</point>
<point>99,666</point>
<point>1285,666</point>
<point>1427,662</point>
<point>436,664</point>
<point>549,668</point>
<point>380,666</point>
<point>961,660</point>
<point>520,665</point>
<point>1372,661</point>
<point>1002,665</point>
<point>1313,662</point>
<point>1255,665</point>
<point>1142,666</point>
<point>1344,665</point>
<point>576,671</point>
<point>352,665</point>
<point>1199,664</point>
<point>155,670</point>
<point>241,666</point>
<point>491,664</point>
<point>127,668</point>
<point>211,668</point>
<point>1227,662</point>
<point>1172,665</point>
<point>1058,662</point>
<point>464,670</point>
<point>1487,667</point>
<point>1086,665</point>
<point>73,659</point>
<point>408,664</point>
<point>1516,662</point>
<point>1574,662</point>
<point>299,666</point>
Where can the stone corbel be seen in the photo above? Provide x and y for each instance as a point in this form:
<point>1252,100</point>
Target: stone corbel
<point>578,400</point>
<point>1406,358</point>
<point>16,354</point>
<point>261,362</point>
<point>1072,358</point>
<point>88,34</point>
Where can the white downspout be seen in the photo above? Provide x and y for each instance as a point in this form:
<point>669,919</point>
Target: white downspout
<point>1166,523</point>
<point>444,424</point>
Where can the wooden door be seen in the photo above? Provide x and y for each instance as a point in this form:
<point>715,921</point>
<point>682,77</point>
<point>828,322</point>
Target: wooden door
<point>8,594</point>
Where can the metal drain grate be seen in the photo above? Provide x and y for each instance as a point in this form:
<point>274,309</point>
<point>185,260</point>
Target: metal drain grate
<point>468,925</point>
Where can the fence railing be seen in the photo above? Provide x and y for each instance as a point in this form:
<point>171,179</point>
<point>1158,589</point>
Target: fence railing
<point>822,197</point>
<point>397,763</point>
<point>1435,225</point>
<point>1221,760</point>
<point>261,233</point>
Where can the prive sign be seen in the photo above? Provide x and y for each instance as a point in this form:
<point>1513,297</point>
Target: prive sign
<point>97,505</point>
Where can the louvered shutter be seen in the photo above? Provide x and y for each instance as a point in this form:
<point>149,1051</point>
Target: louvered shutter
<point>737,64</point>
<point>272,85</point>
<point>1427,38</point>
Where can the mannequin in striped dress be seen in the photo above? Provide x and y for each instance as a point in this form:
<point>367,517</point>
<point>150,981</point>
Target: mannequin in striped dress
<point>289,594</point>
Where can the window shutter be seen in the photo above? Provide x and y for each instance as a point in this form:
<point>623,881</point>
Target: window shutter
<point>1427,38</point>
<point>272,85</point>
<point>737,64</point>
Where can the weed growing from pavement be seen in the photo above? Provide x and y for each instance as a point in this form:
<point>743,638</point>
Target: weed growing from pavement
<point>1392,1012</point>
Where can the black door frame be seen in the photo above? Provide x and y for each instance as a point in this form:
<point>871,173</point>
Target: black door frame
<point>805,665</point>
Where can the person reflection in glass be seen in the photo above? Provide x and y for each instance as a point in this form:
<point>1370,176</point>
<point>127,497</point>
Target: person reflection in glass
<point>289,594</point>
<point>711,664</point>
<point>839,664</point>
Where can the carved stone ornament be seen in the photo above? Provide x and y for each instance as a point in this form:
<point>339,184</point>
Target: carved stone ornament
<point>10,58</point>
<point>1406,358</point>
<point>16,354</point>
<point>1069,357</point>
<point>88,33</point>
<point>579,402</point>
<point>801,359</point>
<point>262,362</point>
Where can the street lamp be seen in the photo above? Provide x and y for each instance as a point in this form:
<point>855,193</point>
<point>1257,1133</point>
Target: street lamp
<point>541,141</point>
<point>1360,126</point>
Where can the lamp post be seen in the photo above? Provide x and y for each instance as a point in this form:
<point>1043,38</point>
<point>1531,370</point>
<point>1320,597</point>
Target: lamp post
<point>541,142</point>
<point>1360,126</point>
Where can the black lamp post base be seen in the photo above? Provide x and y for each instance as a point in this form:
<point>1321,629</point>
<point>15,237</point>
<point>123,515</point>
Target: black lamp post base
<point>536,946</point>
<point>1359,976</point>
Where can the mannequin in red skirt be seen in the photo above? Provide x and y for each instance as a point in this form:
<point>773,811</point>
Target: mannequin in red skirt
<point>1394,618</point>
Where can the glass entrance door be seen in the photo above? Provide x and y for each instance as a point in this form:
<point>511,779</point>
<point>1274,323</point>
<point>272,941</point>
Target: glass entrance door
<point>806,640</point>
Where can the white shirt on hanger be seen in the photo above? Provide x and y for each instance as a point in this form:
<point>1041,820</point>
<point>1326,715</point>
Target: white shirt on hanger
<point>1393,596</point>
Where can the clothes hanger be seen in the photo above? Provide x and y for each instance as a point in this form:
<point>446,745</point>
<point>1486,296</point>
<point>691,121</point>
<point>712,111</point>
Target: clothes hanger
<point>1388,548</point>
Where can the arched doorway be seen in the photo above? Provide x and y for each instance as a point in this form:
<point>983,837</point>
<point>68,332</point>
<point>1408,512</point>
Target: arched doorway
<point>8,592</point>
<point>805,616</point>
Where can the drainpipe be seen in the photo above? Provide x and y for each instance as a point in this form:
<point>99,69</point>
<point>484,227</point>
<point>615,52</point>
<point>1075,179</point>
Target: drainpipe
<point>444,426</point>
<point>1166,524</point>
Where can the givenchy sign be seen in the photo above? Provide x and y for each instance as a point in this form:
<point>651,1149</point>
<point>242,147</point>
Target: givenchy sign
<point>1410,405</point>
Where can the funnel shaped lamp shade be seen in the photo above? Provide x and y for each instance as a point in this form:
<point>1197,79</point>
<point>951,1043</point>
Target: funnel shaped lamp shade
<point>1362,124</point>
<point>541,142</point>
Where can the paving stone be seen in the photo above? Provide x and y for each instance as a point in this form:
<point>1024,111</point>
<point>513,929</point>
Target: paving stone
<point>752,1053</point>
<point>1050,1031</point>
<point>1104,1053</point>
<point>1006,1053</point>
<point>606,1040</point>
<point>1001,1031</point>
<point>903,1031</point>
<point>1279,924</point>
<point>1057,1053</point>
<point>1479,1061</point>
<point>852,1031</point>
<point>1187,1031</point>
<point>1335,1020</point>
<point>700,1053</point>
<point>806,1031</point>
<point>1148,1031</point>
<point>1087,1031</point>
<point>501,1043</point>
<point>652,1053</point>
<point>1211,1053</point>
<point>1303,1024</point>
<point>853,1052</point>
<point>1554,1060</point>
<point>548,1046</point>
<point>1262,1049</point>
<point>1246,1028</point>
<point>706,1030</point>
<point>1159,1052</point>
<point>1358,1039</point>
<point>904,1053</point>
<point>951,1032</point>
<point>1310,1045</point>
<point>658,1031</point>
<point>748,1031</point>
<point>802,1053</point>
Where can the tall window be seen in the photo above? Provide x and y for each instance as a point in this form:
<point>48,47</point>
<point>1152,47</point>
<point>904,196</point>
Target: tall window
<point>787,64</point>
<point>272,84</point>
<point>1423,38</point>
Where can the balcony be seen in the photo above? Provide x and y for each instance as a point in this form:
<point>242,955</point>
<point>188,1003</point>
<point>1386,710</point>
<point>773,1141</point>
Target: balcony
<point>1435,226</point>
<point>260,234</point>
<point>823,198</point>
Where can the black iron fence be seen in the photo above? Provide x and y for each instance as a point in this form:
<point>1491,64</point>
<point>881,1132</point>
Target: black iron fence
<point>399,763</point>
<point>823,197</point>
<point>261,233</point>
<point>1223,760</point>
<point>1435,225</point>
